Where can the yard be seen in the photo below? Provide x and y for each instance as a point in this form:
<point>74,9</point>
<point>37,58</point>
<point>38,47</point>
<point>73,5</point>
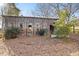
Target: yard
<point>39,46</point>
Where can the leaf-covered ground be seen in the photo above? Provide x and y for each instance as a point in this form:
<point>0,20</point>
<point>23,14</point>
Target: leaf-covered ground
<point>35,46</point>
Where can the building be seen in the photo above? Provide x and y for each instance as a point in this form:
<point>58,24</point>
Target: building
<point>25,22</point>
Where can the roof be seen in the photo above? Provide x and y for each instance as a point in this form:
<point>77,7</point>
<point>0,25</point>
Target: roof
<point>33,17</point>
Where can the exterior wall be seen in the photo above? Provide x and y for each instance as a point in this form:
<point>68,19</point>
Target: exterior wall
<point>36,22</point>
<point>0,22</point>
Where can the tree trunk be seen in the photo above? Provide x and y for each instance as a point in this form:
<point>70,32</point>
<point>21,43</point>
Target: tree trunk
<point>73,29</point>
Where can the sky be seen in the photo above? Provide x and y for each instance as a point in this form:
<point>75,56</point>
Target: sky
<point>26,8</point>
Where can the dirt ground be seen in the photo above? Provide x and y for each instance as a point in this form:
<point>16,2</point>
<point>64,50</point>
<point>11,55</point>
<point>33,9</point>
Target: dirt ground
<point>38,46</point>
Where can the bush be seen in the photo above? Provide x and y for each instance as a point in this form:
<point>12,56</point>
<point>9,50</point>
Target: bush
<point>41,32</point>
<point>62,31</point>
<point>12,32</point>
<point>77,31</point>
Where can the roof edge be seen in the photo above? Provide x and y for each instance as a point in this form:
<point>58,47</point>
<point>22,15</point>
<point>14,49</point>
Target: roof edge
<point>32,17</point>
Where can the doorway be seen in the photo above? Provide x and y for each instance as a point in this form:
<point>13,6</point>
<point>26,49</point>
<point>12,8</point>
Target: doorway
<point>21,27</point>
<point>51,29</point>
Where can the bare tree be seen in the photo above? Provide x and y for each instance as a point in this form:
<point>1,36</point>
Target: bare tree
<point>42,9</point>
<point>71,8</point>
<point>53,9</point>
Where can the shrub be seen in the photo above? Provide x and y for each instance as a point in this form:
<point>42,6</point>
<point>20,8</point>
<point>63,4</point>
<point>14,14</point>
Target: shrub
<point>77,31</point>
<point>62,31</point>
<point>12,32</point>
<point>41,32</point>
